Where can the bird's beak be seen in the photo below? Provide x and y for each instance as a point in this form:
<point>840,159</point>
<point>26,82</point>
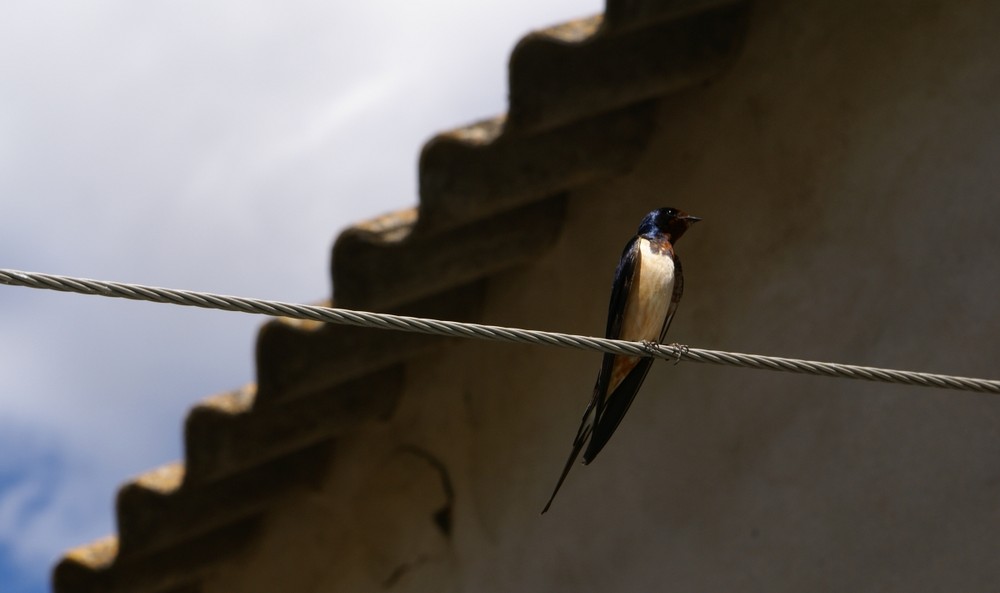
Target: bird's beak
<point>692,219</point>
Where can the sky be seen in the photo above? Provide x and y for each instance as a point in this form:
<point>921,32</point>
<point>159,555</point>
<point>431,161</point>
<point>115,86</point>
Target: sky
<point>207,145</point>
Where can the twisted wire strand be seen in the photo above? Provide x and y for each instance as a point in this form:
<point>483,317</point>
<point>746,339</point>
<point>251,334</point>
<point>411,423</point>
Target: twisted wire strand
<point>674,352</point>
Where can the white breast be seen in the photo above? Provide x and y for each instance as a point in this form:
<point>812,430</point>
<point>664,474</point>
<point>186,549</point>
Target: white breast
<point>649,297</point>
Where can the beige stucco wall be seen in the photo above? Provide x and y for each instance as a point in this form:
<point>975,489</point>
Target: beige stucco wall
<point>848,170</point>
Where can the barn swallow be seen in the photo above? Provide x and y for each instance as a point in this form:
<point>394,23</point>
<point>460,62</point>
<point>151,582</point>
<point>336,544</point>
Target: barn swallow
<point>644,296</point>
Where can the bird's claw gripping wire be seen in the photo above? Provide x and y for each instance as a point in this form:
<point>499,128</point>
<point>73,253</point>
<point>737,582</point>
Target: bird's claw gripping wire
<point>653,348</point>
<point>680,350</point>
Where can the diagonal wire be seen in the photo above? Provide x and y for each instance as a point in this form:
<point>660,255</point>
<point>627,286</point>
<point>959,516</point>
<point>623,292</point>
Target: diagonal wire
<point>675,352</point>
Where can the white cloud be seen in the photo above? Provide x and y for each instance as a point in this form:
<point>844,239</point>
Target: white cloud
<point>212,145</point>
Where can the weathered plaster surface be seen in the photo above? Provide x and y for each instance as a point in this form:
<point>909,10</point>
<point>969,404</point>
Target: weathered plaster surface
<point>846,169</point>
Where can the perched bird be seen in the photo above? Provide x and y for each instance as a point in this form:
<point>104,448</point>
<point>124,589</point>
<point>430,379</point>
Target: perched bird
<point>644,296</point>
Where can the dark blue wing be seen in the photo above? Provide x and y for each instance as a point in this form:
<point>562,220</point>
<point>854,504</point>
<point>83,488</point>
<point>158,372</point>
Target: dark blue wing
<point>624,274</point>
<point>620,289</point>
<point>612,408</point>
<point>616,308</point>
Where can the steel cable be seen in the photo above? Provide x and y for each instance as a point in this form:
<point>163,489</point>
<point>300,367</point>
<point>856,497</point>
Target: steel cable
<point>674,352</point>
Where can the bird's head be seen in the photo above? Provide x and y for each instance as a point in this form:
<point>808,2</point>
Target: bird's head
<point>666,221</point>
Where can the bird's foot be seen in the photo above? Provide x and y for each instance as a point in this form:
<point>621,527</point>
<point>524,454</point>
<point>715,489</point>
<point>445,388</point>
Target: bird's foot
<point>680,350</point>
<point>651,348</point>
